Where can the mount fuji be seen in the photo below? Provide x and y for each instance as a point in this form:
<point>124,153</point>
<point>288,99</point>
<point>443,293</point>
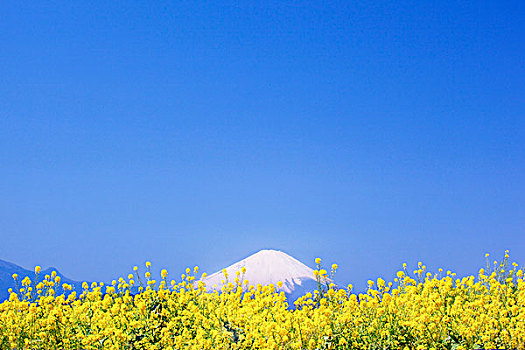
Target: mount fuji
<point>270,267</point>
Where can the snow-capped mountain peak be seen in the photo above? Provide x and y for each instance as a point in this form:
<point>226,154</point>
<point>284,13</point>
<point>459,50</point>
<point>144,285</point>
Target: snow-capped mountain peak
<point>267,267</point>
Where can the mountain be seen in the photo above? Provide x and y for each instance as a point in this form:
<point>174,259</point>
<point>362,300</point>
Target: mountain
<point>269,267</point>
<point>7,270</point>
<point>264,267</point>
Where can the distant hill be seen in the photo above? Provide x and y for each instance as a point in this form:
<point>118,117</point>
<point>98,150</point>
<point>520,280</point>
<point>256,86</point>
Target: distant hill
<point>7,270</point>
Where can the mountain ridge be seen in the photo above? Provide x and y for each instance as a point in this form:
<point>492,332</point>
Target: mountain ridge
<point>7,269</point>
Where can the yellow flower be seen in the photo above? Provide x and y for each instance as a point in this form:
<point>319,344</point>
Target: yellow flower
<point>148,264</point>
<point>317,261</point>
<point>37,269</point>
<point>417,314</point>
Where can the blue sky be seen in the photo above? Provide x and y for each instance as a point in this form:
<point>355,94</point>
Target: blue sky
<point>188,133</point>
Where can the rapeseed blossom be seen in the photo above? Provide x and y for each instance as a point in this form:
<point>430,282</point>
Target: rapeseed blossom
<point>418,310</point>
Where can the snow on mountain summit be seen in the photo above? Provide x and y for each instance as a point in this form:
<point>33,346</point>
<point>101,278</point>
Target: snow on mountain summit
<point>267,267</point>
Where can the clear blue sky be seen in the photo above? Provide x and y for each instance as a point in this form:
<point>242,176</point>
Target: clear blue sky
<point>367,133</point>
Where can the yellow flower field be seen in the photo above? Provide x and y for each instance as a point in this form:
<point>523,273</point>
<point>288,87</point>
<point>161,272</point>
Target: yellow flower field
<point>418,310</point>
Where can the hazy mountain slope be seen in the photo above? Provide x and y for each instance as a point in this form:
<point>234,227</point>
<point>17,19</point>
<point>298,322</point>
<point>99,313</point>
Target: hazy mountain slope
<point>7,270</point>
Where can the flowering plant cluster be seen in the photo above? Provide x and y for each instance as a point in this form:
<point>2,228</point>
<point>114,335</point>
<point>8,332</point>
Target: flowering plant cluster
<point>417,310</point>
